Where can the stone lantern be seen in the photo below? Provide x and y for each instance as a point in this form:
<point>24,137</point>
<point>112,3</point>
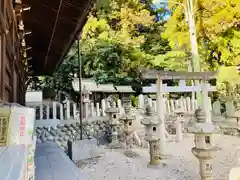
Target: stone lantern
<point>179,112</point>
<point>127,121</point>
<point>113,114</point>
<point>235,172</point>
<point>86,100</point>
<point>151,124</point>
<point>204,150</point>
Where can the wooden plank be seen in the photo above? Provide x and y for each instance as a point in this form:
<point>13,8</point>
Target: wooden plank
<point>1,23</point>
<point>10,55</point>
<point>1,57</point>
<point>3,65</point>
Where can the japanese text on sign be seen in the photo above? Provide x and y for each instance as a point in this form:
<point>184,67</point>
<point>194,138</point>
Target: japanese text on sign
<point>22,125</point>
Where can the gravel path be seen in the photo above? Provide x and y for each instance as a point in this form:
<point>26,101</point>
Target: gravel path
<point>181,164</point>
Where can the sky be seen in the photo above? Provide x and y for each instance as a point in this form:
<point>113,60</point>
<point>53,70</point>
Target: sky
<point>161,3</point>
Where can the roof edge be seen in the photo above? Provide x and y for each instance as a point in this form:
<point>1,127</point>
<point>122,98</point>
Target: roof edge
<point>75,35</point>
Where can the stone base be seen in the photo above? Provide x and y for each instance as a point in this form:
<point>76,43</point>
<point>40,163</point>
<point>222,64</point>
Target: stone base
<point>130,153</point>
<point>234,174</point>
<point>164,156</point>
<point>116,145</point>
<point>208,178</point>
<point>97,153</point>
<point>158,166</point>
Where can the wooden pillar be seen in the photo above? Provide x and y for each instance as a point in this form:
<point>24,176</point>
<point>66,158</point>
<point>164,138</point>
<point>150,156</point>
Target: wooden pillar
<point>2,48</point>
<point>3,54</point>
<point>1,58</point>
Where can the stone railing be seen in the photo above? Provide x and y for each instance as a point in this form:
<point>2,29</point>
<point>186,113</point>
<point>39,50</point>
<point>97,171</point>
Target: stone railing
<point>171,105</point>
<point>13,162</point>
<point>53,110</point>
<point>47,109</point>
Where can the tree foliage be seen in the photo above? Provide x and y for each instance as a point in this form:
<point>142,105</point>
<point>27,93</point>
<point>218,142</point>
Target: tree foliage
<point>122,38</point>
<point>218,31</point>
<point>62,79</point>
<point>218,36</point>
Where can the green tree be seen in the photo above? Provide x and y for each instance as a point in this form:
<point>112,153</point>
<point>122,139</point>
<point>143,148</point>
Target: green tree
<point>218,35</point>
<point>122,38</point>
<point>62,79</point>
<point>218,32</point>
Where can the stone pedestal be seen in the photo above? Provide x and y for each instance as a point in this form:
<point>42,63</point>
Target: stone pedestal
<point>204,150</point>
<point>235,172</point>
<point>114,135</point>
<point>179,112</point>
<point>154,152</point>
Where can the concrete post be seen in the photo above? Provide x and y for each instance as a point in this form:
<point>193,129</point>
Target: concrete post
<point>54,107</point>
<point>160,114</point>
<point>98,109</point>
<point>103,106</point>
<point>75,111</point>
<point>68,110</point>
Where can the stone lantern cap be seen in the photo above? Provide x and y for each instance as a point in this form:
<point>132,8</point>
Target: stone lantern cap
<point>126,100</point>
<point>148,121</point>
<point>202,127</point>
<point>112,109</point>
<point>128,116</point>
<point>151,137</point>
<point>85,91</point>
<point>151,118</point>
<point>179,110</point>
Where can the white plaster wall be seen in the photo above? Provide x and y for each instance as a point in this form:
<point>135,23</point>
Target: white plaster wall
<point>33,96</point>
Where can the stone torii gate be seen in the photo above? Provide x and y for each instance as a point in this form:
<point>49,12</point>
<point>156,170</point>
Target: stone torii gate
<point>159,76</point>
